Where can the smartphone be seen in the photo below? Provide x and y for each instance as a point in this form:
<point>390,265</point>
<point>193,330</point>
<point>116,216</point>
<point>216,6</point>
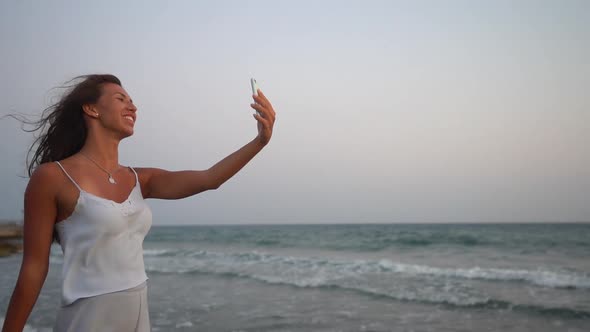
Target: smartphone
<point>254,86</point>
<point>254,89</point>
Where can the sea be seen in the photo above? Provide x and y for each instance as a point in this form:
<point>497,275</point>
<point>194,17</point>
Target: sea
<point>354,277</point>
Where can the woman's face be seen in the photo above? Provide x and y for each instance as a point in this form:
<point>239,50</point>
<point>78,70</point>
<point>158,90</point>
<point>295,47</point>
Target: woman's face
<point>116,110</point>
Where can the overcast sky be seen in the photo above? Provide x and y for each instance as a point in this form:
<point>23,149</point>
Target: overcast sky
<point>387,111</point>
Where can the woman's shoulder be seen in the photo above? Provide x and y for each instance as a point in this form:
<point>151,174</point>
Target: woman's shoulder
<point>47,173</point>
<point>47,169</point>
<point>46,179</point>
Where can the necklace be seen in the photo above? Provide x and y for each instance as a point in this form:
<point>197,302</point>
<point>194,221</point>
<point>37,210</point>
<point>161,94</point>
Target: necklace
<point>111,180</point>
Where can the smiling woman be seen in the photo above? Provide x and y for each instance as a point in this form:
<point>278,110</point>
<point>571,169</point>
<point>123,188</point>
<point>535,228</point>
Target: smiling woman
<point>81,197</point>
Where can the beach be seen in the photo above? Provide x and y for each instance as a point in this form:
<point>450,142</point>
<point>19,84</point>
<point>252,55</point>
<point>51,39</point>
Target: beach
<point>492,277</point>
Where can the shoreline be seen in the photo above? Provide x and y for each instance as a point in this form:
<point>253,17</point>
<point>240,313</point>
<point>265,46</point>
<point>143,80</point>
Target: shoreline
<point>10,238</point>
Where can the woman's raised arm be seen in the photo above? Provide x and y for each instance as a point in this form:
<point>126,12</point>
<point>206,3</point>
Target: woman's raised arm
<point>159,183</point>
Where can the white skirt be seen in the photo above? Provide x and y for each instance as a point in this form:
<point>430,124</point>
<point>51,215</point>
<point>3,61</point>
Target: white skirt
<point>124,311</point>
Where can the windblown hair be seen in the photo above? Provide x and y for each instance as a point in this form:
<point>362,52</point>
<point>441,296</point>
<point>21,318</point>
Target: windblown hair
<point>62,127</point>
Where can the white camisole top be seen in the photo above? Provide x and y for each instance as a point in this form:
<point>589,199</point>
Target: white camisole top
<point>102,244</point>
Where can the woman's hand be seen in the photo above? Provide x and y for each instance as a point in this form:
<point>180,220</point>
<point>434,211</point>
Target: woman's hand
<point>265,118</point>
<point>165,184</point>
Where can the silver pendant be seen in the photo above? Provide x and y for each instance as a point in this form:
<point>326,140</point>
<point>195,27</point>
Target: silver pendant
<point>111,180</point>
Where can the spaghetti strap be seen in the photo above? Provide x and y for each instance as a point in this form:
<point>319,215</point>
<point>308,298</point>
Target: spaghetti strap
<point>68,175</point>
<point>136,177</point>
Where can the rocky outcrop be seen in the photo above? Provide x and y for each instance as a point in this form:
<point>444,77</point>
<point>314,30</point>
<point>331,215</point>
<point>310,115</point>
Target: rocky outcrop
<point>10,239</point>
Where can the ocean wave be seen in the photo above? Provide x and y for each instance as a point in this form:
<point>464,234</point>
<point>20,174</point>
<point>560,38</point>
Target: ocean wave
<point>454,302</point>
<point>189,261</point>
<point>450,301</point>
<point>537,277</point>
<point>160,252</point>
<point>357,242</point>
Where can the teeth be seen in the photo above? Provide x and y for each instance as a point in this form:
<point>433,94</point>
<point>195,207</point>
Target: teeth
<point>129,117</point>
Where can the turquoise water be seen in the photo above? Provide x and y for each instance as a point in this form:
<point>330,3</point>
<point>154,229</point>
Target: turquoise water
<point>452,277</point>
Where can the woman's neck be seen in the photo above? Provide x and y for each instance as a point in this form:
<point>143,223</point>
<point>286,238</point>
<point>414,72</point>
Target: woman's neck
<point>104,151</point>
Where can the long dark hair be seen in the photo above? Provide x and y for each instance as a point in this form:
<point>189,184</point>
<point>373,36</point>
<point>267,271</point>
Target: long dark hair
<point>62,127</point>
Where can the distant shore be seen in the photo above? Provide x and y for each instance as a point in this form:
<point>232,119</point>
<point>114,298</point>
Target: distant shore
<point>10,238</point>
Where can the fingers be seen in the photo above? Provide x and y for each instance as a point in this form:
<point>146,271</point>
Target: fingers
<point>265,112</point>
<point>265,116</point>
<point>261,95</point>
<point>258,107</point>
<point>265,123</point>
<point>261,99</point>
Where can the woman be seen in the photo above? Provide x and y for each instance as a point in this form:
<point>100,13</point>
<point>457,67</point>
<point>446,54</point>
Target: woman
<point>80,196</point>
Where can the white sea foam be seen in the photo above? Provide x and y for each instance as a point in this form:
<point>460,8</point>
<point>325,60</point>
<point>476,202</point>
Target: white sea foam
<point>537,277</point>
<point>184,324</point>
<point>157,252</point>
<point>313,271</point>
<point>406,282</point>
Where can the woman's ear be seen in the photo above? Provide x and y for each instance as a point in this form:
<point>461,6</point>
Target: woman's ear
<point>89,110</point>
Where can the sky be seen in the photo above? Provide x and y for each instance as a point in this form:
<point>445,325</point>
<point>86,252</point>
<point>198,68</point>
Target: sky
<point>387,111</point>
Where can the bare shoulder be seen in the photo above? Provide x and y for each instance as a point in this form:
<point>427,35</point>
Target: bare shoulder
<point>46,176</point>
